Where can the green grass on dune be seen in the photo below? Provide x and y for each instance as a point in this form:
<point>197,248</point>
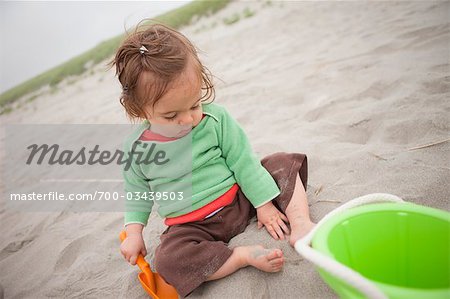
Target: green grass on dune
<point>176,18</point>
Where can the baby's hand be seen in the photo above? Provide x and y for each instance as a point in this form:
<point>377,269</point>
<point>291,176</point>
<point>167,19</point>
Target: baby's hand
<point>274,221</point>
<point>132,246</point>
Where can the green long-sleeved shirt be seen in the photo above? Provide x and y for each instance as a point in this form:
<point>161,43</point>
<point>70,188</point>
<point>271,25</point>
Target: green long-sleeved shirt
<point>200,167</point>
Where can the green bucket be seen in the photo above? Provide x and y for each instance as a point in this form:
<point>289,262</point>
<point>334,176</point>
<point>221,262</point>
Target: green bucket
<point>402,248</point>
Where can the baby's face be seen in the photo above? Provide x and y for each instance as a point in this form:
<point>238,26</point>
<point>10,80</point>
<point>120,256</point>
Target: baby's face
<point>180,108</point>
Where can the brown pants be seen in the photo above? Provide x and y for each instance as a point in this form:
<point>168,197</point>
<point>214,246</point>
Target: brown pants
<point>191,252</point>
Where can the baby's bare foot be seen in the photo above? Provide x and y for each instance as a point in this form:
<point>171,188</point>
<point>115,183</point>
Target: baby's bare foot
<point>268,260</point>
<point>299,230</point>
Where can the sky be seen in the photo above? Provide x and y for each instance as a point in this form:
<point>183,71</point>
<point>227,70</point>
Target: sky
<point>38,35</point>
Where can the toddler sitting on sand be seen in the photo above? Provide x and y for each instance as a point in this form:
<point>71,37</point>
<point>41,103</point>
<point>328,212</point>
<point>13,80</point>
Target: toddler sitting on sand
<point>165,85</point>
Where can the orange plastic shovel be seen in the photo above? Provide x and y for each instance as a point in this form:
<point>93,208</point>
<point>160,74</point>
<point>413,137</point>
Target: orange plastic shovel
<point>152,283</point>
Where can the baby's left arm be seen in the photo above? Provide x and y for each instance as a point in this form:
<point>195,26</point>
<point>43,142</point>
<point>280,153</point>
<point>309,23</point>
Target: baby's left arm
<point>254,180</point>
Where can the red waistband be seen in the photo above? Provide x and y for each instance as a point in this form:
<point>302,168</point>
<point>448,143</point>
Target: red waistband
<point>222,201</point>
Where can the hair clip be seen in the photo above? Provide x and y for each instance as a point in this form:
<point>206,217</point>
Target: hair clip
<point>143,49</point>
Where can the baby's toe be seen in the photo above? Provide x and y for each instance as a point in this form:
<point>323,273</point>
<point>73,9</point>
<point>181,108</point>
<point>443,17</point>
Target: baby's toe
<point>274,254</point>
<point>277,266</point>
<point>276,261</point>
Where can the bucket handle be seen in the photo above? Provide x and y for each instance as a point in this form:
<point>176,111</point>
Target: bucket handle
<point>350,276</point>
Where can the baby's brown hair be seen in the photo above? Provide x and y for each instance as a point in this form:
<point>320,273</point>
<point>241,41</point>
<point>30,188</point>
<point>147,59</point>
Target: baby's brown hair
<point>164,53</point>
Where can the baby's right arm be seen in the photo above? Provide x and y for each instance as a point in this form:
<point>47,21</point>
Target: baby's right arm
<point>136,212</point>
<point>134,244</point>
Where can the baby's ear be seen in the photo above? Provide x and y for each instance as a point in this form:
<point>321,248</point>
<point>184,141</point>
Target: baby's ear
<point>146,115</point>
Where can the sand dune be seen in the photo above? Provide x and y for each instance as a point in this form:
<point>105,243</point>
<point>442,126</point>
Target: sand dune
<point>353,85</point>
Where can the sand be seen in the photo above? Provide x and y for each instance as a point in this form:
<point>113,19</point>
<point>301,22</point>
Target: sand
<point>353,85</point>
